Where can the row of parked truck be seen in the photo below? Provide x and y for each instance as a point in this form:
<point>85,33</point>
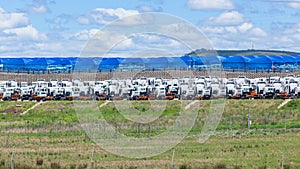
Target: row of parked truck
<point>152,88</point>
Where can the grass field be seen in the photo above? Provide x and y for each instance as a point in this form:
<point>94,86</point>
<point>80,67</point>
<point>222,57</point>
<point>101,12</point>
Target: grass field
<point>50,136</point>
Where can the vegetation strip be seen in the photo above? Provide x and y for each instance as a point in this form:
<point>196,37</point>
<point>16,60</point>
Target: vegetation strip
<point>31,108</point>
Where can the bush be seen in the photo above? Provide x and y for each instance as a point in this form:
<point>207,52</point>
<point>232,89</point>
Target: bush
<point>237,167</point>
<point>82,166</point>
<point>22,166</point>
<point>2,163</point>
<point>286,166</point>
<point>220,166</point>
<point>72,166</point>
<point>39,161</point>
<point>132,167</point>
<point>204,167</point>
<point>183,166</point>
<point>55,166</point>
<point>262,167</point>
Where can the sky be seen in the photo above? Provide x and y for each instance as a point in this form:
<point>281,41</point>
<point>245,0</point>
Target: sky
<point>66,27</point>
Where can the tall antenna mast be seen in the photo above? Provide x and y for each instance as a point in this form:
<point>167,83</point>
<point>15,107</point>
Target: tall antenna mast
<point>252,45</point>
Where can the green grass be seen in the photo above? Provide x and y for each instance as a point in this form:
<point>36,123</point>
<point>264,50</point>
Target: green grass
<point>50,112</point>
<point>9,107</point>
<point>52,132</point>
<point>247,152</point>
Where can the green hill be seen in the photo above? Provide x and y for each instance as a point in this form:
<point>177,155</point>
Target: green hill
<point>206,52</point>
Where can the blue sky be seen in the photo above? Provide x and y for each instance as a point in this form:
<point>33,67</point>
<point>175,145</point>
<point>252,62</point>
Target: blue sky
<point>63,28</point>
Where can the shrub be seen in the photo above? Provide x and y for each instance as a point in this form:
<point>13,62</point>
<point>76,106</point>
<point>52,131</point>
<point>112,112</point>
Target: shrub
<point>183,166</point>
<point>2,163</point>
<point>262,167</point>
<point>286,166</point>
<point>132,167</point>
<point>55,166</point>
<point>72,166</point>
<point>22,166</point>
<point>237,167</point>
<point>220,166</point>
<point>203,167</point>
<point>82,166</point>
<point>39,161</point>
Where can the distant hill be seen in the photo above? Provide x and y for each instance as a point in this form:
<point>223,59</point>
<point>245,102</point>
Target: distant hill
<point>205,52</point>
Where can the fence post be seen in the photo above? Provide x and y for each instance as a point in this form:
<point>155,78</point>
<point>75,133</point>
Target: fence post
<point>267,120</point>
<point>249,120</point>
<point>72,128</point>
<point>149,129</point>
<point>7,138</point>
<point>172,167</point>
<point>122,127</point>
<point>230,125</point>
<point>104,129</point>
<point>282,160</point>
<point>12,158</point>
<point>41,131</point>
<point>56,128</point>
<point>25,127</point>
<point>92,158</point>
<point>285,122</point>
<point>158,124</point>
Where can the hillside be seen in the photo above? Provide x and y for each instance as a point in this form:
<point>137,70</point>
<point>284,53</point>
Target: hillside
<point>206,52</point>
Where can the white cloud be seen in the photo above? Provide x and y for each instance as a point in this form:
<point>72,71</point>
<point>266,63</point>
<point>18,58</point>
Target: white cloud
<point>12,20</point>
<point>2,10</point>
<point>214,29</point>
<point>227,18</point>
<point>105,15</point>
<point>258,32</point>
<point>97,41</point>
<point>118,16</point>
<point>125,45</point>
<point>25,33</point>
<point>17,36</point>
<point>231,29</point>
<point>83,35</point>
<point>186,33</point>
<point>210,4</point>
<point>60,22</point>
<point>294,4</point>
<point>103,41</point>
<point>287,38</point>
<point>294,29</point>
<point>148,8</point>
<point>245,27</point>
<point>243,30</point>
<point>134,20</point>
<point>83,20</point>
<point>292,33</point>
<point>38,9</point>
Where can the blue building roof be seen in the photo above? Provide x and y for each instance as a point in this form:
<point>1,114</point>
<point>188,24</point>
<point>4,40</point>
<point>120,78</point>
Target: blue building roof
<point>167,62</point>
